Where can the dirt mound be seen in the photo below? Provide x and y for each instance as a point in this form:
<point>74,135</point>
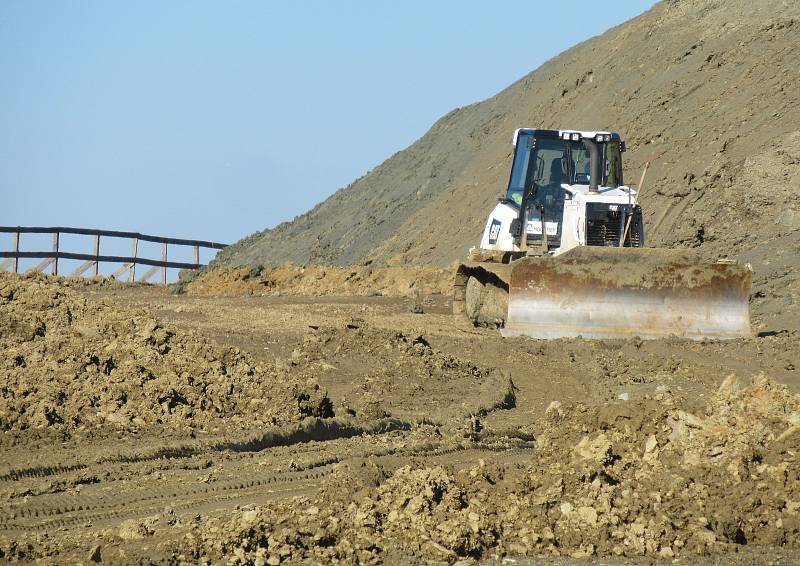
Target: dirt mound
<point>292,279</point>
<point>709,85</point>
<point>642,478</point>
<point>381,373</point>
<point>71,362</point>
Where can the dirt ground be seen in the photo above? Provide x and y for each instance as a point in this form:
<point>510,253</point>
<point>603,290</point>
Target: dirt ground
<point>318,280</point>
<point>142,426</point>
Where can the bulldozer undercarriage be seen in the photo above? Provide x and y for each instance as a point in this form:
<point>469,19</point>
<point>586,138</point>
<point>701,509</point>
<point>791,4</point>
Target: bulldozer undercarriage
<point>485,298</point>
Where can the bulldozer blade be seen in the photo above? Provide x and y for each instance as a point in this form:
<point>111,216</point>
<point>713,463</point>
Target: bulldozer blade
<point>597,292</point>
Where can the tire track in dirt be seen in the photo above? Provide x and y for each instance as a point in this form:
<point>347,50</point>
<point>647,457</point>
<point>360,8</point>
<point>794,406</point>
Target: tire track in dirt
<point>239,481</point>
<point>316,430</point>
<point>95,509</point>
<point>318,444</point>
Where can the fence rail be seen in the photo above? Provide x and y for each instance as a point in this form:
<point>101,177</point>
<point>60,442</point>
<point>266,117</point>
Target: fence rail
<point>93,260</point>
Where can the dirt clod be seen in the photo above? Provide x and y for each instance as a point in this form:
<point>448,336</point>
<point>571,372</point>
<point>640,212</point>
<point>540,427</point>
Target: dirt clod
<point>70,363</point>
<point>582,495</point>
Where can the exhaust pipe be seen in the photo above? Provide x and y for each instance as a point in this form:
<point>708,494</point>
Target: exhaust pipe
<point>594,164</point>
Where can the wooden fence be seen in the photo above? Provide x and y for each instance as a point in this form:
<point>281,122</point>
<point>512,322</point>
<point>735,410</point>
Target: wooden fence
<point>92,261</point>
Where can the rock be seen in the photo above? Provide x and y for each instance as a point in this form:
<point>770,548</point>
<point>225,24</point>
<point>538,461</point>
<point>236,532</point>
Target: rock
<point>651,450</point>
<point>596,449</point>
<point>705,536</point>
<point>250,516</point>
<point>588,515</point>
<point>554,408</point>
<point>133,529</point>
<point>689,419</point>
<point>583,552</point>
<point>297,356</point>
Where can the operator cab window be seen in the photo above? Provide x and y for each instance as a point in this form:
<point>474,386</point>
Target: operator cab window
<point>580,157</point>
<point>519,170</point>
<point>550,172</point>
<point>543,165</point>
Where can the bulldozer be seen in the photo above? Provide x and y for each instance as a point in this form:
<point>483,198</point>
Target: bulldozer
<point>563,255</point>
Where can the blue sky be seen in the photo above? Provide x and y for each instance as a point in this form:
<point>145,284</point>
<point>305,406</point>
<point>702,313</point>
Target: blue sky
<point>212,120</point>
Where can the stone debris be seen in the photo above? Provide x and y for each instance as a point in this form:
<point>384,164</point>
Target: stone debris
<point>596,487</point>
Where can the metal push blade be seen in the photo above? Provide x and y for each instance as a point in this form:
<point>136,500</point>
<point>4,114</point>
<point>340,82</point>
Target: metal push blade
<point>605,292</point>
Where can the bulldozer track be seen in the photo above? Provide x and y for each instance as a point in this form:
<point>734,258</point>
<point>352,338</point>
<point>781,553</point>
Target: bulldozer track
<point>83,510</point>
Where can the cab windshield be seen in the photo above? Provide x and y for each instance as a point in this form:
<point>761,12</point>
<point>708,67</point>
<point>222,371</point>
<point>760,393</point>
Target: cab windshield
<point>553,162</point>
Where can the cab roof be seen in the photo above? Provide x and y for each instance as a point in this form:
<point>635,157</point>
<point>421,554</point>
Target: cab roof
<point>559,134</point>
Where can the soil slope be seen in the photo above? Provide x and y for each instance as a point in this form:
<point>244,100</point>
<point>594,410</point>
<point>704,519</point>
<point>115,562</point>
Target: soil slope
<point>710,86</point>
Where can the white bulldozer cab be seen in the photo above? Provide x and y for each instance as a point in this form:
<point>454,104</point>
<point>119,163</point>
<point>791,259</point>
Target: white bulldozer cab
<point>565,204</point>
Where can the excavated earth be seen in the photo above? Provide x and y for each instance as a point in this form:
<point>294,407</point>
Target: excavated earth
<point>143,426</point>
<point>270,413</point>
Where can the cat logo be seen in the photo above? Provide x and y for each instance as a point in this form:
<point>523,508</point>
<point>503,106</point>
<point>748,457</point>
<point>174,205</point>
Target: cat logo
<point>494,231</point>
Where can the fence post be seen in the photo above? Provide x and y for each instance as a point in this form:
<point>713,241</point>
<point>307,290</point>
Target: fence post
<point>164,259</point>
<point>55,253</point>
<point>16,251</point>
<point>96,255</point>
<point>134,251</point>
